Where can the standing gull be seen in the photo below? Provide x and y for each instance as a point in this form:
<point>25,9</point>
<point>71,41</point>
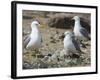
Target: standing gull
<point>33,40</point>
<point>70,44</point>
<point>80,32</point>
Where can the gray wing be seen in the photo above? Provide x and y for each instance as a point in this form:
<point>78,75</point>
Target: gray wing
<point>26,40</point>
<point>76,45</point>
<point>85,33</point>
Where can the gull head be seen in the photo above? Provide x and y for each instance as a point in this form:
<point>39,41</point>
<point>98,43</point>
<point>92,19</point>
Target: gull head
<point>35,23</point>
<point>76,18</point>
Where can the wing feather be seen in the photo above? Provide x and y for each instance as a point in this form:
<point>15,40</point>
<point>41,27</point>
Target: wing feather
<point>26,40</point>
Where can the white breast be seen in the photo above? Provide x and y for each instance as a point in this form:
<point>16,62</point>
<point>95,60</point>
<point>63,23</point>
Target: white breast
<point>68,45</point>
<point>35,41</point>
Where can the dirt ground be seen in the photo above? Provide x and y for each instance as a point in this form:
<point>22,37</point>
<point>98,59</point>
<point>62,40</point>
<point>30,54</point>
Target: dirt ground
<point>50,55</point>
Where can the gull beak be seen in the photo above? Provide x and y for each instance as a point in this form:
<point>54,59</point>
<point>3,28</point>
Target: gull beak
<point>39,24</point>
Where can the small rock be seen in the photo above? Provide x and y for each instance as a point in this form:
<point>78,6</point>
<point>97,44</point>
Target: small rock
<point>51,37</point>
<point>57,32</point>
<point>26,65</point>
<point>53,41</point>
<point>45,58</point>
<point>40,56</point>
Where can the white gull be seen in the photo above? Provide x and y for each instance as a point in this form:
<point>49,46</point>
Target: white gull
<point>70,44</point>
<point>80,32</point>
<point>34,39</point>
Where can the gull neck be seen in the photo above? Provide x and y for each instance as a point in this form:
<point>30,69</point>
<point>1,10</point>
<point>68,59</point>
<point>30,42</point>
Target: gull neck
<point>35,29</point>
<point>77,23</point>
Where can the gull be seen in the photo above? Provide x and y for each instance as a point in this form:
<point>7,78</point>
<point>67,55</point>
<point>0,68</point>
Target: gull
<point>34,39</point>
<point>70,44</point>
<point>80,32</point>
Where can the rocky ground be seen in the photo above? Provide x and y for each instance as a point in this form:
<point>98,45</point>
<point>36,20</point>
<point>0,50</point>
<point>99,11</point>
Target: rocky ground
<point>51,54</point>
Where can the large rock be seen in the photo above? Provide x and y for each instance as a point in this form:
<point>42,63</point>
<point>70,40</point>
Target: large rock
<point>60,21</point>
